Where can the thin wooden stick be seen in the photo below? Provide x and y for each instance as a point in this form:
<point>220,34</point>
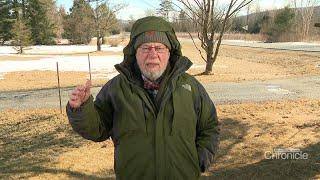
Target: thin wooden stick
<point>89,66</point>
<point>59,87</point>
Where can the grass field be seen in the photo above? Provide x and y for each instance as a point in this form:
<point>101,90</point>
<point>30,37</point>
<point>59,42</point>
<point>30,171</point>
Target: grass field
<point>39,144</point>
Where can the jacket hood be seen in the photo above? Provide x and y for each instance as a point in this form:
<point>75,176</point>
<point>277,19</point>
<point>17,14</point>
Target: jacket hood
<point>150,23</point>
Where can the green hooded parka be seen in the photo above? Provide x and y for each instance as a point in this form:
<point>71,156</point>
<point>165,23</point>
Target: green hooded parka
<point>173,137</point>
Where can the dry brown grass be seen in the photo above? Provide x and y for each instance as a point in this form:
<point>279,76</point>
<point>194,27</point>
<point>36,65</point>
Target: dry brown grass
<point>27,80</point>
<point>114,42</point>
<point>23,57</point>
<point>243,64</point>
<point>39,144</point>
<point>249,130</point>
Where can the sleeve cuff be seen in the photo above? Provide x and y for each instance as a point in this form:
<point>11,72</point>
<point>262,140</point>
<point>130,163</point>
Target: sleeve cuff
<point>82,106</point>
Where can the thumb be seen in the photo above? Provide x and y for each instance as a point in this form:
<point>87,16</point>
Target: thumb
<point>88,85</point>
<point>86,91</point>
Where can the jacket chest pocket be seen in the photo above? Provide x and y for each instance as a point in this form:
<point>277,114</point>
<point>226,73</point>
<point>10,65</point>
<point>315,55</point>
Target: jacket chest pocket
<point>184,120</point>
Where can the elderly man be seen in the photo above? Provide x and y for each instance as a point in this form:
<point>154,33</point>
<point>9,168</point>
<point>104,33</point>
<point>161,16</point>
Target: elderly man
<point>161,120</point>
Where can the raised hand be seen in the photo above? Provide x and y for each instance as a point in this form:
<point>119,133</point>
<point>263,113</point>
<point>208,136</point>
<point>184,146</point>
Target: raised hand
<point>80,95</point>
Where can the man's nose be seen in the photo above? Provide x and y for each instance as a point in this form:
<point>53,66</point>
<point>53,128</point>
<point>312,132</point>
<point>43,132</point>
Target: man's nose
<point>152,50</point>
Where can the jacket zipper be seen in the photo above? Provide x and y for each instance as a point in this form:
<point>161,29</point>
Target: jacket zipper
<point>154,127</point>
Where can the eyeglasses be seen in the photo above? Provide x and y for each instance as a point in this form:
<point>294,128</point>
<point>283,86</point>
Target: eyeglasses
<point>158,49</point>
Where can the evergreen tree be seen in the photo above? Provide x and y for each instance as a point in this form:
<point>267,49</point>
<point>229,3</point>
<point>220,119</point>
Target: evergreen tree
<point>21,35</point>
<point>282,23</point>
<point>42,29</point>
<point>165,8</point>
<point>183,22</point>
<point>79,25</point>
<point>6,20</point>
<point>60,22</point>
<point>284,19</point>
<point>53,16</point>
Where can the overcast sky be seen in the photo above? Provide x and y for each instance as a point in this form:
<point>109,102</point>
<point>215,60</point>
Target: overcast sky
<point>137,8</point>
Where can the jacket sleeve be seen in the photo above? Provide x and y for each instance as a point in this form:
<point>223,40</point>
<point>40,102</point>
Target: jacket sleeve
<point>93,120</point>
<point>207,140</point>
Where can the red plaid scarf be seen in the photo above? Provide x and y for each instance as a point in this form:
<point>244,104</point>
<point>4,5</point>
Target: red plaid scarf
<point>150,85</point>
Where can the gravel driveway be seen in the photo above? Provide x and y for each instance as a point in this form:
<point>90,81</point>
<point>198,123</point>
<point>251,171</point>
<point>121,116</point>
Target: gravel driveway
<point>220,92</point>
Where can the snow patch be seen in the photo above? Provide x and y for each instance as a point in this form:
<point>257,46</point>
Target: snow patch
<point>104,64</point>
<point>60,49</point>
<point>7,50</point>
<point>276,89</point>
<point>241,41</point>
<point>303,43</point>
<point>104,75</point>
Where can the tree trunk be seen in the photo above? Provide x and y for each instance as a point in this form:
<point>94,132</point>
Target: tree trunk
<point>98,43</point>
<point>103,40</point>
<point>216,52</point>
<point>210,61</point>
<point>209,66</point>
<point>20,50</point>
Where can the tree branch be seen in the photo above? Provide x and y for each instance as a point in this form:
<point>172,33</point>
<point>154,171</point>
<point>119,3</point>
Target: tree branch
<point>194,43</point>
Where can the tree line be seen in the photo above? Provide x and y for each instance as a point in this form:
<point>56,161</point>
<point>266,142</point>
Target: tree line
<point>286,24</point>
<point>41,22</point>
<point>25,22</point>
<point>295,22</point>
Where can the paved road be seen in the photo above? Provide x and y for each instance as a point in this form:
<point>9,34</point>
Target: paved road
<point>255,91</point>
<point>292,46</point>
<point>220,92</point>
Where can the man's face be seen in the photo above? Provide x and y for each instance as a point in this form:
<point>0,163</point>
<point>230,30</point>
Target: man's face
<point>152,59</point>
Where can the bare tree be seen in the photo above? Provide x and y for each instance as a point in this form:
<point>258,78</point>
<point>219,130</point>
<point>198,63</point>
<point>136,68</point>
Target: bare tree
<point>211,18</point>
<point>306,9</point>
<point>104,18</point>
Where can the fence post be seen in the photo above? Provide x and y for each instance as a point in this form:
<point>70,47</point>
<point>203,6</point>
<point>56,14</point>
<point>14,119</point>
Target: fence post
<point>89,65</point>
<point>59,87</point>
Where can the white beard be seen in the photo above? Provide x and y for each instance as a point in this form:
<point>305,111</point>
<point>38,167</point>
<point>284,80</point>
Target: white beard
<point>152,76</point>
